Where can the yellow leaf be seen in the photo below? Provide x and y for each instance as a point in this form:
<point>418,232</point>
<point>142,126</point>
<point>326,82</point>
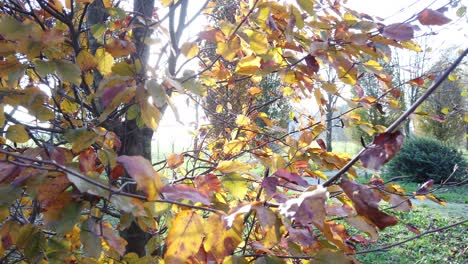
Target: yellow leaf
<point>17,134</point>
<point>105,61</point>
<point>373,66</point>
<point>86,60</point>
<point>452,77</point>
<point>150,115</point>
<point>229,166</point>
<point>236,185</point>
<point>411,45</point>
<point>248,65</point>
<point>2,115</point>
<point>228,49</point>
<point>233,147</point>
<point>189,49</point>
<point>242,120</point>
<point>219,109</point>
<point>166,3</point>
<point>68,107</point>
<point>184,237</point>
<point>445,110</point>
<point>258,42</point>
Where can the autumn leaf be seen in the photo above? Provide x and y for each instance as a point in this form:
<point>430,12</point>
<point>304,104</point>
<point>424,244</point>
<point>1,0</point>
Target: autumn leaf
<point>432,17</point>
<point>182,191</point>
<point>17,133</point>
<point>365,202</point>
<point>309,207</point>
<point>141,170</point>
<point>112,238</point>
<point>399,31</point>
<point>208,184</point>
<point>383,148</point>
<point>86,60</point>
<point>291,177</point>
<point>175,160</point>
<point>184,237</point>
<point>248,65</point>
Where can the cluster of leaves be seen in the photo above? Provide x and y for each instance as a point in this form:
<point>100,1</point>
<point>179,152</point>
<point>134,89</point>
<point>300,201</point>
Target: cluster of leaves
<point>88,90</point>
<point>424,159</point>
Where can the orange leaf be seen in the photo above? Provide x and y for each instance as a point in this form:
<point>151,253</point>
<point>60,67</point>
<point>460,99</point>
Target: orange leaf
<point>175,160</point>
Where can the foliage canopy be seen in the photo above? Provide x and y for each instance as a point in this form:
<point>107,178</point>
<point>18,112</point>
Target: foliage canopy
<point>80,99</point>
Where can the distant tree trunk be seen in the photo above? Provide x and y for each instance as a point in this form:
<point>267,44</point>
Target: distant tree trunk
<point>329,124</point>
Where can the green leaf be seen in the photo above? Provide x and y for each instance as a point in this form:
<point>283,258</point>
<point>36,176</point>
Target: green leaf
<point>461,11</point>
<point>80,138</point>
<point>90,241</point>
<point>44,67</point>
<point>307,5</point>
<point>157,92</point>
<point>68,71</point>
<point>17,134</point>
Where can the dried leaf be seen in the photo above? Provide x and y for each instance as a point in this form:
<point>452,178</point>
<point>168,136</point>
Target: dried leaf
<point>432,17</point>
<point>182,191</point>
<point>365,202</point>
<point>399,31</point>
<point>383,148</point>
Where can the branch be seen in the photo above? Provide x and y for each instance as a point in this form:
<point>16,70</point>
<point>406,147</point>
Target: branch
<point>402,118</point>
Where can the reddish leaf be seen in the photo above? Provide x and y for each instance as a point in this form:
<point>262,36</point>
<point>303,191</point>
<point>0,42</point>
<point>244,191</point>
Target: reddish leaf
<point>291,177</point>
<point>111,92</point>
<point>213,35</point>
<point>432,17</point>
<point>145,176</point>
<point>270,184</point>
<point>359,91</point>
<point>359,239</point>
<point>182,191</point>
<point>8,171</point>
<point>88,160</point>
<point>335,209</point>
<point>384,147</point>
<point>413,229</point>
<point>303,236</point>
<point>301,164</point>
<point>424,188</point>
<point>312,63</point>
<point>308,208</point>
<point>208,184</point>
<point>117,172</point>
<point>113,239</point>
<point>399,31</point>
<point>417,81</point>
<point>322,144</point>
<point>365,202</point>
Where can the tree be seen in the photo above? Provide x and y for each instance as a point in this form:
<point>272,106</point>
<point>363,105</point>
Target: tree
<point>81,96</point>
<point>445,109</point>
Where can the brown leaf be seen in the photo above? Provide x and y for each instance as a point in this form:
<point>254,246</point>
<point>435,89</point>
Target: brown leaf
<point>312,63</point>
<point>399,31</point>
<point>383,148</point>
<point>322,144</point>
<point>182,191</point>
<point>145,176</point>
<point>366,203</point>
<point>120,48</point>
<point>432,17</point>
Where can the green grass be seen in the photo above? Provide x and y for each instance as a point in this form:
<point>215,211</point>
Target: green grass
<point>448,246</point>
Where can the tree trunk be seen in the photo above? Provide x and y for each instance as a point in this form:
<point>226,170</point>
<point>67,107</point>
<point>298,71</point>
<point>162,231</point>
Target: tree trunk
<point>137,141</point>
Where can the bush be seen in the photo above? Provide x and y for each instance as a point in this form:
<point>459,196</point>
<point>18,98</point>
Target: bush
<point>424,159</point>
